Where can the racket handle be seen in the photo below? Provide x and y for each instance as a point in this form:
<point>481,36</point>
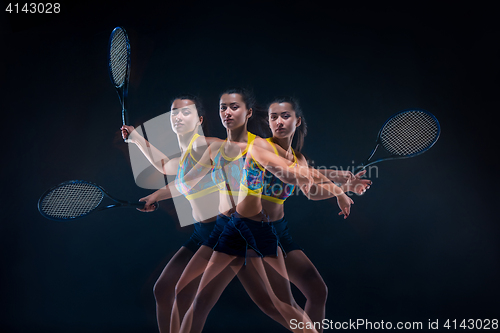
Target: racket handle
<point>359,169</point>
<point>124,117</point>
<point>141,204</point>
<point>125,122</point>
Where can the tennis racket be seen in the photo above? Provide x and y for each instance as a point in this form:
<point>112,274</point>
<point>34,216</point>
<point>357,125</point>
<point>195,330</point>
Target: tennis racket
<point>405,134</point>
<point>119,66</point>
<point>78,198</point>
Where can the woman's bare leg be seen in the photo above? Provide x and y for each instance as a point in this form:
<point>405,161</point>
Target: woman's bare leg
<point>187,286</point>
<point>304,275</point>
<point>255,287</point>
<point>221,269</point>
<point>265,279</point>
<point>279,285</point>
<point>164,288</point>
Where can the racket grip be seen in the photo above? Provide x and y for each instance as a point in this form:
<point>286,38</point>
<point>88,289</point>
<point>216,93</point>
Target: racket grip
<point>156,205</point>
<point>125,121</point>
<point>124,116</point>
<point>359,169</point>
<point>127,140</point>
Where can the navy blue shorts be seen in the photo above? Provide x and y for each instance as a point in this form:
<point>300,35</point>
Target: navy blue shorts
<point>287,244</point>
<point>200,234</point>
<point>235,235</point>
<point>220,223</point>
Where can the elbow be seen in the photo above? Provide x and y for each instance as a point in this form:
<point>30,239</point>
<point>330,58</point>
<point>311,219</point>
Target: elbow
<point>289,180</point>
<point>161,170</point>
<point>311,196</point>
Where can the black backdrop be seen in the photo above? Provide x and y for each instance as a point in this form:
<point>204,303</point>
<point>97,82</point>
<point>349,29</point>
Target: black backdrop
<point>421,244</point>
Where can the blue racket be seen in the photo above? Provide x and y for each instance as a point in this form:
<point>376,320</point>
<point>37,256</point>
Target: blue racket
<point>119,66</point>
<point>405,134</point>
<point>78,198</point>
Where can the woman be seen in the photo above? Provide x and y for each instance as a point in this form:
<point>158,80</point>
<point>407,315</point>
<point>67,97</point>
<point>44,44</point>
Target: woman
<point>238,141</point>
<point>287,123</point>
<point>245,232</point>
<point>187,115</point>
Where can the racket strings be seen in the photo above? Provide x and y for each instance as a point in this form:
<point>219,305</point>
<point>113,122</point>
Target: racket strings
<point>119,57</point>
<point>71,200</point>
<point>409,133</point>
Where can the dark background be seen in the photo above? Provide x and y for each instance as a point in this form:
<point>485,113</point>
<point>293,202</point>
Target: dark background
<point>421,244</point>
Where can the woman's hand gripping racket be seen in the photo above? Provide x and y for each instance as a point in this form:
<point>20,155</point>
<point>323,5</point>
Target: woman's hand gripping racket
<point>78,198</point>
<point>119,66</point>
<point>407,133</point>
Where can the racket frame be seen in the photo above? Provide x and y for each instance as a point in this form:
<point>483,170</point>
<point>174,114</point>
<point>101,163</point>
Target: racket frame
<point>122,89</point>
<point>378,142</point>
<point>119,203</point>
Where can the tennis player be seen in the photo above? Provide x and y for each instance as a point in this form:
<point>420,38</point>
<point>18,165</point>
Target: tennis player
<point>187,117</point>
<point>287,122</point>
<point>245,242</point>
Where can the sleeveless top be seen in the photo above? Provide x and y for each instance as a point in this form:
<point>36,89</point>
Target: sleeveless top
<point>187,163</point>
<point>236,175</point>
<point>274,189</point>
<point>252,176</point>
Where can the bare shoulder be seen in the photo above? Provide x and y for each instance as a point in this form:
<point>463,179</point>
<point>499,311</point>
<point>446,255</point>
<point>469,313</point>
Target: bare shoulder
<point>203,146</point>
<point>174,161</point>
<point>203,142</point>
<point>210,139</point>
<point>171,166</point>
<point>262,143</point>
<point>214,147</point>
<point>301,160</point>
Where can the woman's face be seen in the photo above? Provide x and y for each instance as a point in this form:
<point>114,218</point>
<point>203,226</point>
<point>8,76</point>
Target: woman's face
<point>233,111</point>
<point>282,120</point>
<point>184,116</point>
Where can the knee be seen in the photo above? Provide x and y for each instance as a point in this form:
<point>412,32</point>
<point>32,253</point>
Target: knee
<point>322,293</point>
<point>319,292</point>
<point>316,290</point>
<point>203,303</point>
<point>200,306</point>
<point>267,306</point>
<point>164,290</point>
<point>180,291</point>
